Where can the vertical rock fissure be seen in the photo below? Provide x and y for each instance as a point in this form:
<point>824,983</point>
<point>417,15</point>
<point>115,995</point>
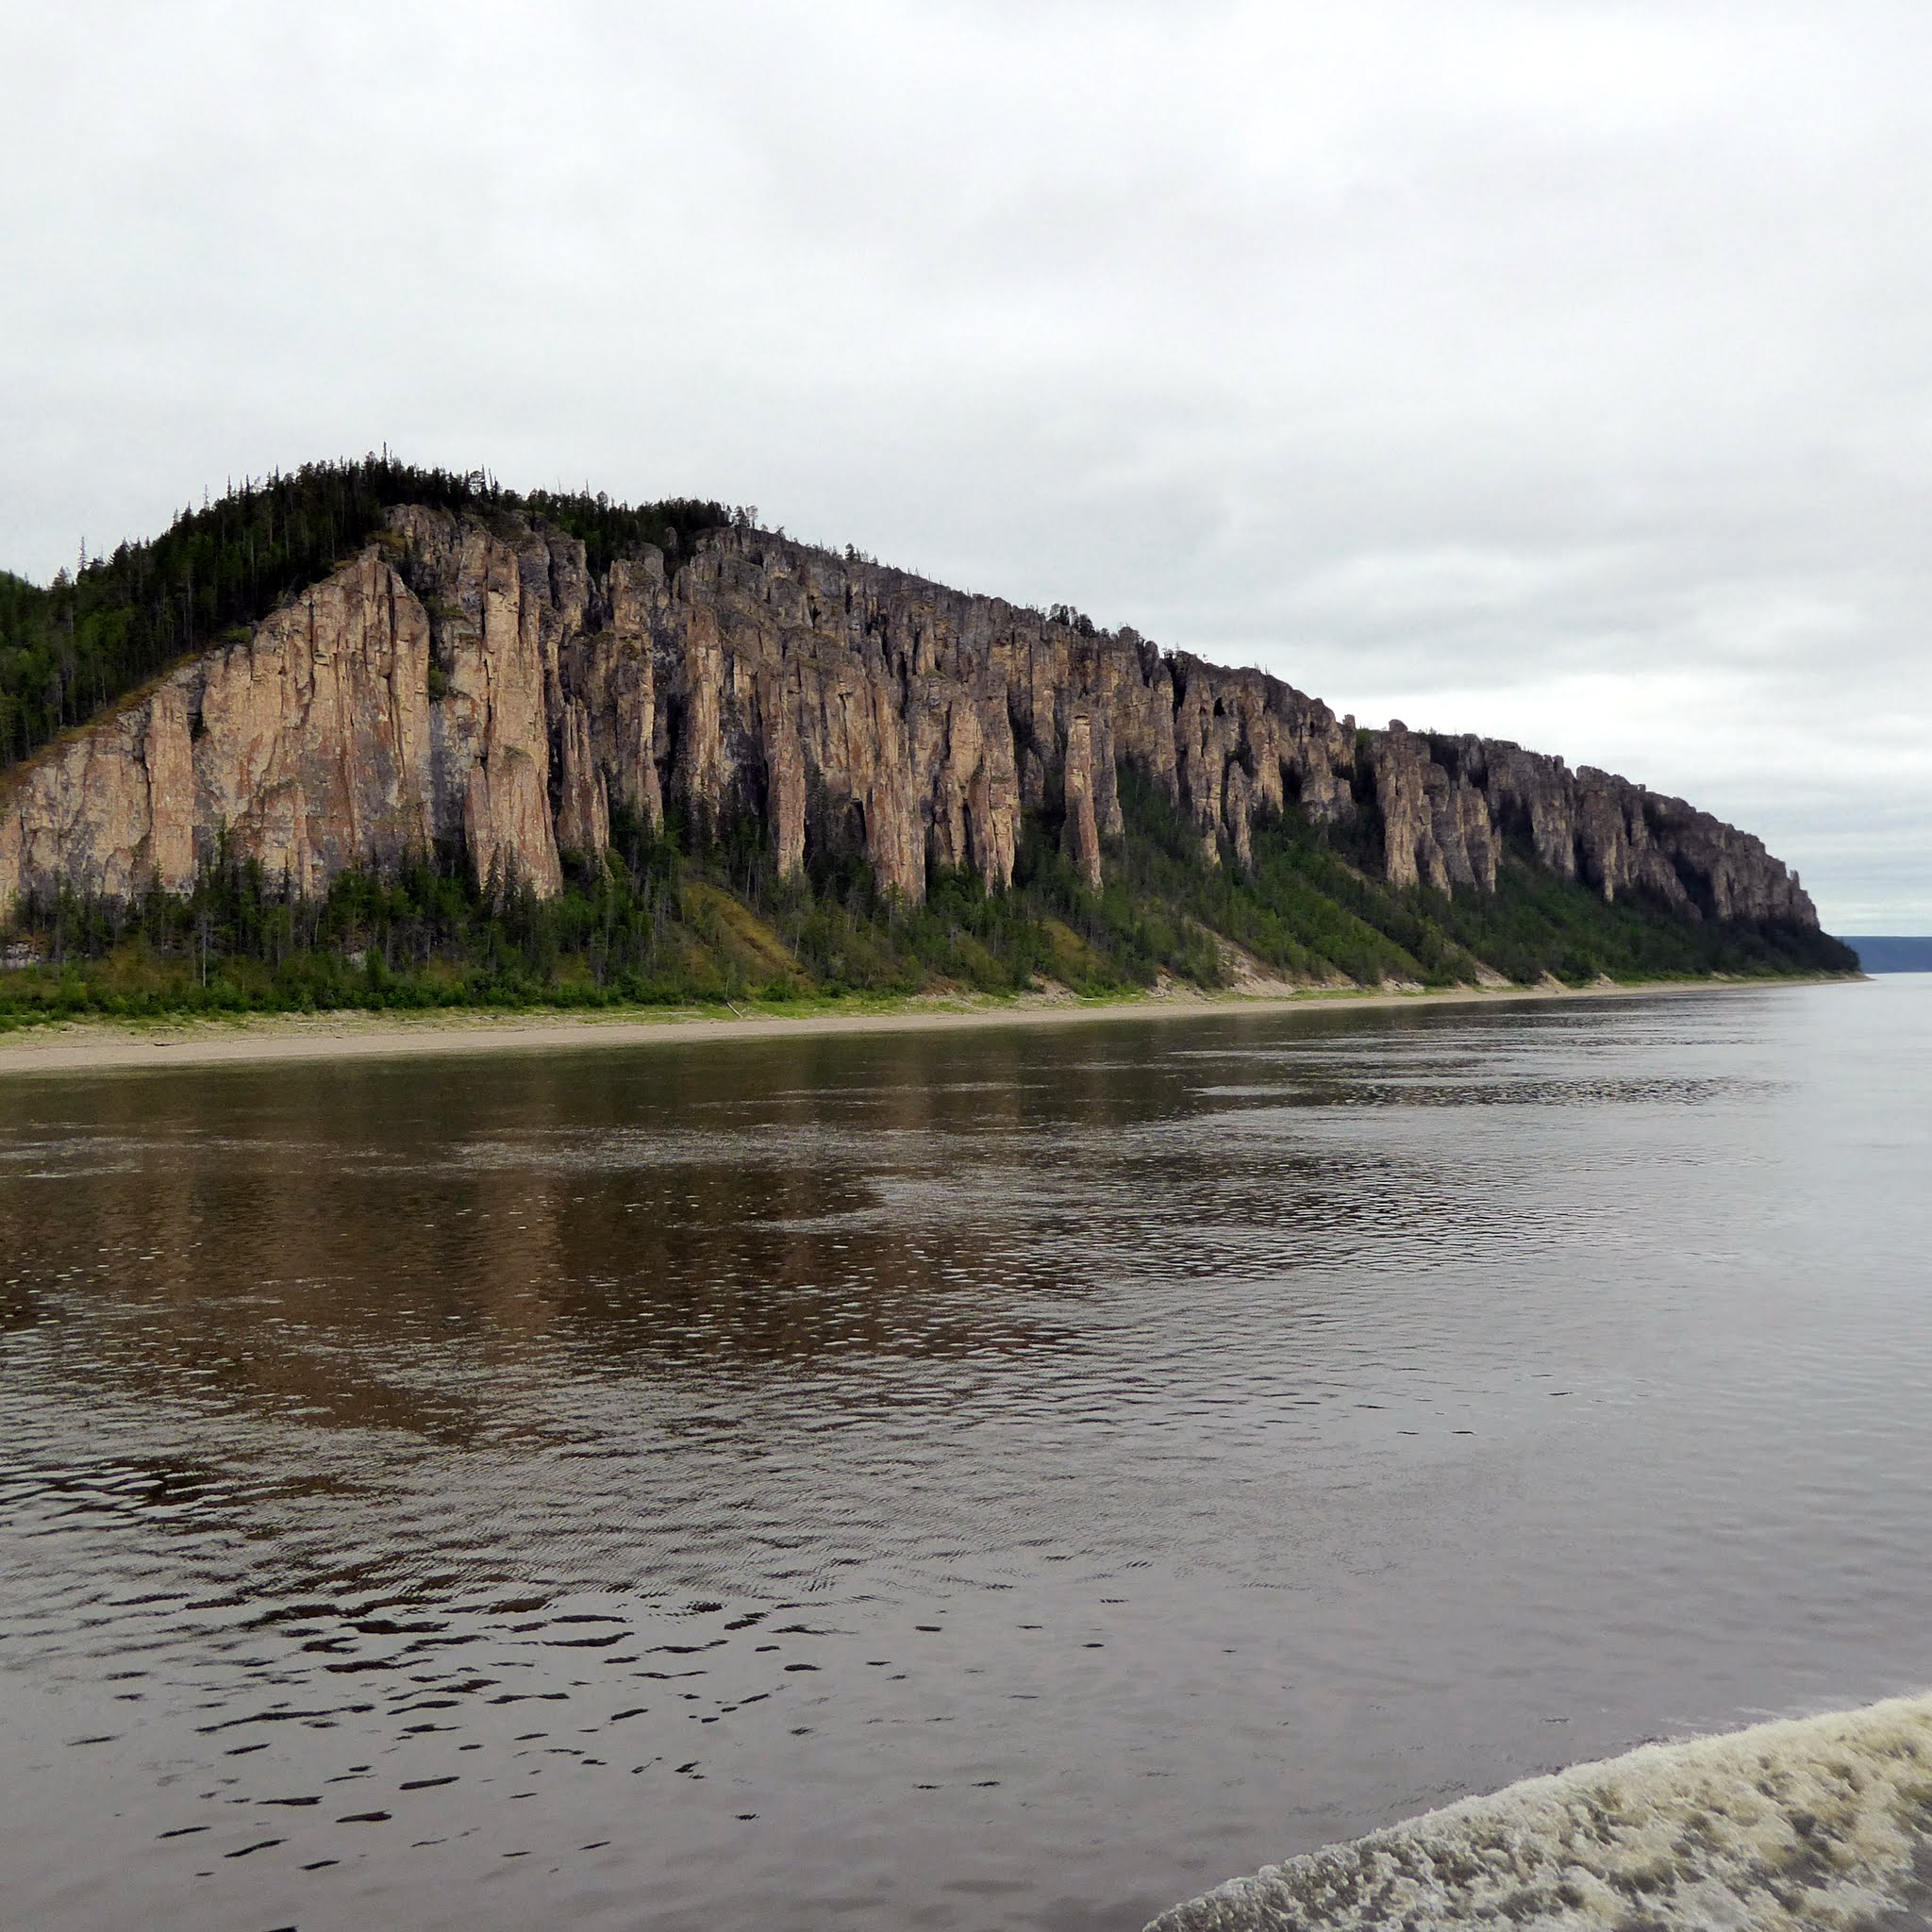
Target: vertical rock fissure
<point>837,698</point>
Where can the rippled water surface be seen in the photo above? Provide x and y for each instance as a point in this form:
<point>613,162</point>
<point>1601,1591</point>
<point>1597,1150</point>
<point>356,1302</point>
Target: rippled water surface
<point>1003,1479</point>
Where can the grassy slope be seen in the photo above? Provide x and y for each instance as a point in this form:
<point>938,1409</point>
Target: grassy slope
<point>670,920</point>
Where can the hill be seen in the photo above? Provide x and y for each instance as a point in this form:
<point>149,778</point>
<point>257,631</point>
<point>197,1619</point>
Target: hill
<point>405,738</point>
<point>1899,953</point>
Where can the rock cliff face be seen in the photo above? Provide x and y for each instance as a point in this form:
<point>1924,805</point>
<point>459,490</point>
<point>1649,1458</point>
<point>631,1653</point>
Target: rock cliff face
<point>467,678</point>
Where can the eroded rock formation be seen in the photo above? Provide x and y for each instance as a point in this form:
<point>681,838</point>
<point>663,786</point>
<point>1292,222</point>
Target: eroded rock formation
<point>467,679</point>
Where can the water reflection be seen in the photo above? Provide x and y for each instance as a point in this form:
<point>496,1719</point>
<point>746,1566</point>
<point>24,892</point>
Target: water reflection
<point>1006,1479</point>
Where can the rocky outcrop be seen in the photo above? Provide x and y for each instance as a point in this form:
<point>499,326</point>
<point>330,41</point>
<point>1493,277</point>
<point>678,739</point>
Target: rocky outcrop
<point>469,681</point>
<point>309,745</point>
<point>1449,807</point>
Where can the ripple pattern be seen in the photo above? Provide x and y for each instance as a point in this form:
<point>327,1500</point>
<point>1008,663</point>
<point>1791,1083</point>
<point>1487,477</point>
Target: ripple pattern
<point>983,1480</point>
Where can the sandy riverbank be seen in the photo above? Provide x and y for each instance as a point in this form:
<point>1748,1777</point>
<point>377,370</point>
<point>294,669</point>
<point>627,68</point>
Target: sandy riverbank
<point>95,1046</point>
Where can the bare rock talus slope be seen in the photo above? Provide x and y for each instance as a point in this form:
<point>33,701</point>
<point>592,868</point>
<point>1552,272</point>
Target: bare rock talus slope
<point>468,678</point>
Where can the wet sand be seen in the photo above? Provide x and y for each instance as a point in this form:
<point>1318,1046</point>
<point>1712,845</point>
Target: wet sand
<point>101,1045</point>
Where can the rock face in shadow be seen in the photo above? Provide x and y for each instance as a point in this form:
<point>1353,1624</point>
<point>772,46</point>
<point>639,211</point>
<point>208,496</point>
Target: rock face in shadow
<point>468,679</point>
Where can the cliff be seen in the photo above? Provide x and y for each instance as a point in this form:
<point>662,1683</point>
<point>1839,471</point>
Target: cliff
<point>468,678</point>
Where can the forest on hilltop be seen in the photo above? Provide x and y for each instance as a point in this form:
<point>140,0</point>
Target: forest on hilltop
<point>70,650</point>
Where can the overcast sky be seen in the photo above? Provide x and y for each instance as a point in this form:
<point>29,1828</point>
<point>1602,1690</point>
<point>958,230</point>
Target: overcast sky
<point>1559,371</point>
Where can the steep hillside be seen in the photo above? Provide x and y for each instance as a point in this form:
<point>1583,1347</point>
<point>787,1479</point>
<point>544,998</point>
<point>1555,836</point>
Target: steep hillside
<point>482,701</point>
<point>71,650</point>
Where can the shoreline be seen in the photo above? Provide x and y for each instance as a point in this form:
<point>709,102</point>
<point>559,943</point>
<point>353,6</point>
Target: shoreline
<point>82,1046</point>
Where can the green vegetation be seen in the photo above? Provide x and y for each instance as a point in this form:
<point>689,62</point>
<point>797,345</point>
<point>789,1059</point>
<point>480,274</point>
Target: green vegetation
<point>681,915</point>
<point>72,648</point>
<point>684,912</point>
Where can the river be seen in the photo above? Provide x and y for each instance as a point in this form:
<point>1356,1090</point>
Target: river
<point>1015,1479</point>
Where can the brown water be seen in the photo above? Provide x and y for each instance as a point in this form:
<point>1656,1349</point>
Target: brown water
<point>1011,1479</point>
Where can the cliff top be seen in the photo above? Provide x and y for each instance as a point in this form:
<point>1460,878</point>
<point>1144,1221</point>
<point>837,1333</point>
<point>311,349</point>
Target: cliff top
<point>72,650</point>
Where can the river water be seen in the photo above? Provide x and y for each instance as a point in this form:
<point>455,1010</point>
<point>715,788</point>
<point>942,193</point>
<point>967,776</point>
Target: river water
<point>1007,1479</point>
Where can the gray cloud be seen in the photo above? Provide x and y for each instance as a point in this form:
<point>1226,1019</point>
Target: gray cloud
<point>1555,372</point>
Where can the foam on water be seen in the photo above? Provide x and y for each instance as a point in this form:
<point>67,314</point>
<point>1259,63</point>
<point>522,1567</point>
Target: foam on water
<point>1819,1822</point>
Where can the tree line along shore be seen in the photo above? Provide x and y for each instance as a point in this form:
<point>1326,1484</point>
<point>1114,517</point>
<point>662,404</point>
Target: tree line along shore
<point>690,901</point>
<point>670,918</point>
